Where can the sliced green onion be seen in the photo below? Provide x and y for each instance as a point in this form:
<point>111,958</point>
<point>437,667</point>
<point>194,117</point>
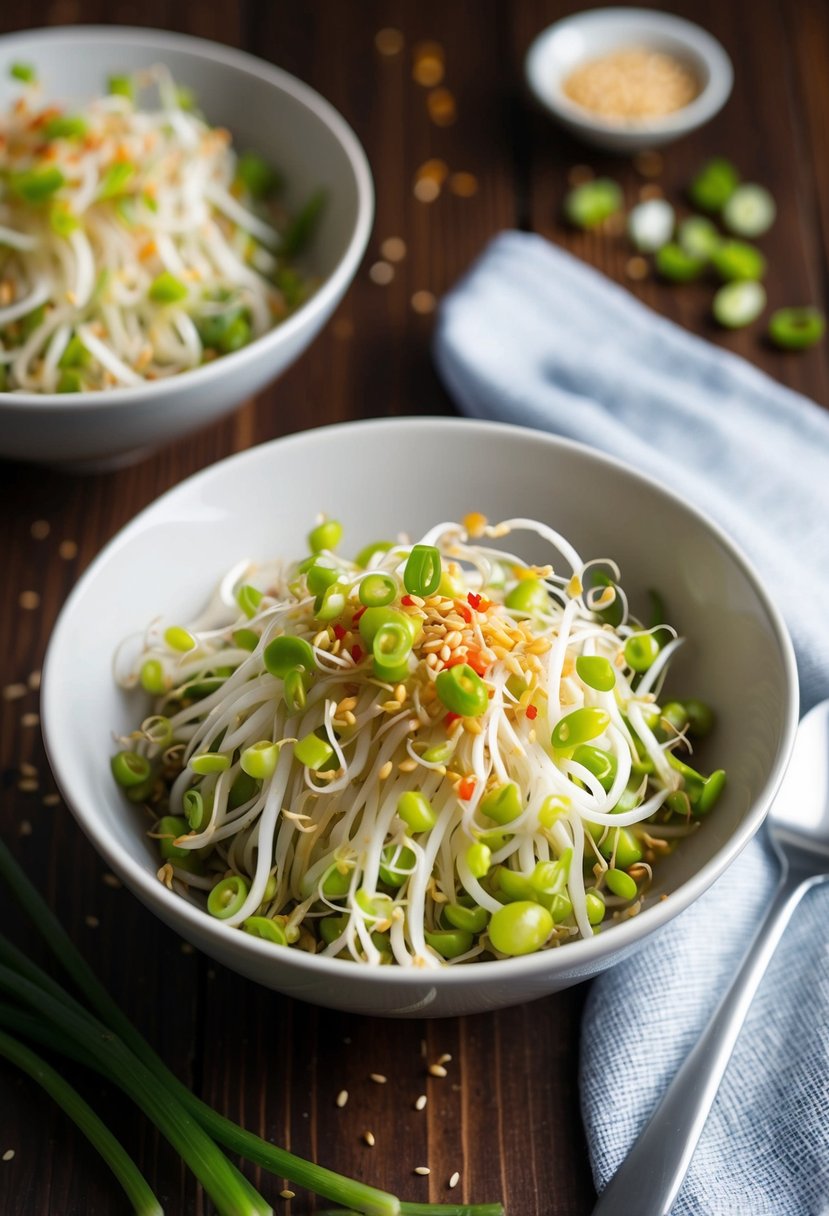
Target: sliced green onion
<point>597,761</point>
<point>738,304</point>
<point>228,896</point>
<point>374,619</point>
<point>122,86</point>
<point>796,328</point>
<point>651,224</point>
<point>593,202</point>
<point>713,186</point>
<point>63,222</point>
<point>673,262</point>
<point>377,590</point>
<point>331,603</point>
<point>421,575</point>
<point>257,176</point>
<point>65,126</point>
<point>24,72</point>
<point>167,289</point>
<point>462,691</point>
<point>36,185</point>
<point>699,237</point>
<point>750,211</point>
<point>390,650</point>
<point>735,260</point>
<point>300,231</point>
<point>319,576</point>
<point>284,654</point>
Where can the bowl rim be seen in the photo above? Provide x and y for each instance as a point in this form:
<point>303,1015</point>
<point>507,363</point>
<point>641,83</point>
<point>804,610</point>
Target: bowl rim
<point>697,41</point>
<point>582,956</point>
<point>330,289</point>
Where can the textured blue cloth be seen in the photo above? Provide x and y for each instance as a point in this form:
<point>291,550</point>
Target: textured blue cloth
<point>535,337</point>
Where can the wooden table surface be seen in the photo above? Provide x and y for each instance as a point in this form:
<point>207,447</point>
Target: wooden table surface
<point>507,1115</point>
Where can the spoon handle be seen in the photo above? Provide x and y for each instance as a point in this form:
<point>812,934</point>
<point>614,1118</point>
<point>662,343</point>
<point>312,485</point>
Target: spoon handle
<point>649,1178</point>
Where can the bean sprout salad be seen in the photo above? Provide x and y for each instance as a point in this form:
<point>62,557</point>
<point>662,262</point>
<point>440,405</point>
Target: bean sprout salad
<point>135,243</point>
<point>434,753</point>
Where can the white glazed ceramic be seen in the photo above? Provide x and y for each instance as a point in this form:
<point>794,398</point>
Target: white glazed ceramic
<point>265,109</point>
<point>563,46</point>
<point>406,474</point>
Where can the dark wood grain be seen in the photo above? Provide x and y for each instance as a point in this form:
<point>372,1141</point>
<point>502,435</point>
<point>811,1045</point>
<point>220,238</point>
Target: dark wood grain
<point>506,1116</point>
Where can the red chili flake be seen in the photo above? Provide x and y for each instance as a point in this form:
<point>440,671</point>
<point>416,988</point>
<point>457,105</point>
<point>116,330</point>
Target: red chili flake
<point>450,717</point>
<point>356,653</point>
<point>532,712</point>
<point>473,600</point>
<point>462,610</point>
<point>339,632</point>
<point>408,601</point>
<point>357,615</point>
<point>466,788</point>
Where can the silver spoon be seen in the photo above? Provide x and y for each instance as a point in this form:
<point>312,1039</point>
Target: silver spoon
<point>647,1181</point>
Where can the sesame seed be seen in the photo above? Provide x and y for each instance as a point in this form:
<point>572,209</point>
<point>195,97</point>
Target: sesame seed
<point>454,1180</point>
<point>29,600</point>
<point>51,799</point>
<point>30,720</point>
<point>27,770</point>
<point>393,249</point>
<point>28,785</point>
<point>378,1078</point>
<point>420,1102</point>
<point>437,1070</point>
<point>422,1169</point>
<point>68,549</point>
<point>13,692</point>
<point>34,681</point>
<point>424,302</point>
<point>342,1098</point>
<point>286,1194</point>
<point>389,41</point>
<point>40,529</point>
<point>109,880</point>
<point>427,71</point>
<point>9,1154</point>
<point>369,1139</point>
<point>381,273</point>
<point>445,1058</point>
<point>91,922</point>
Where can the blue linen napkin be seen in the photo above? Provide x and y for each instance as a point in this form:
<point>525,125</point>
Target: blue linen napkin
<point>533,336</point>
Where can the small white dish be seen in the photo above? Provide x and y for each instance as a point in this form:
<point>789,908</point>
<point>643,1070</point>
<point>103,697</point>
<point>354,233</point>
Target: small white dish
<point>380,477</point>
<point>564,46</point>
<point>265,109</point>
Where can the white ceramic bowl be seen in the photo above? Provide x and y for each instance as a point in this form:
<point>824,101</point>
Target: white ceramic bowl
<point>380,477</point>
<point>265,109</point>
<point>562,47</point>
